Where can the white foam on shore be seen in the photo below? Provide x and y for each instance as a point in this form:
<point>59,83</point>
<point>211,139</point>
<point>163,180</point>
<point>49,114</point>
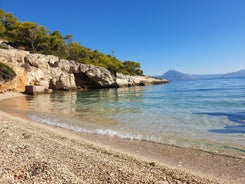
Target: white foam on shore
<point>107,132</point>
<point>164,139</point>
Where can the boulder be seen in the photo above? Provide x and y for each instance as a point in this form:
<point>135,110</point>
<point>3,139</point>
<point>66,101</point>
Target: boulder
<point>101,76</point>
<point>128,80</point>
<point>74,66</point>
<point>38,61</point>
<point>33,90</point>
<point>64,65</point>
<point>65,81</point>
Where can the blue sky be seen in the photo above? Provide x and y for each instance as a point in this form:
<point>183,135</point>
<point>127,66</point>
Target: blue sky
<point>191,36</point>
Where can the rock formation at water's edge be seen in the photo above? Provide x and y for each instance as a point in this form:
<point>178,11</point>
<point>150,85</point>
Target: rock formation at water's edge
<point>51,72</point>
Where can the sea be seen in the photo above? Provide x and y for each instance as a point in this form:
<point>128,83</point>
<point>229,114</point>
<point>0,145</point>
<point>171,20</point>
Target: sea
<point>199,114</point>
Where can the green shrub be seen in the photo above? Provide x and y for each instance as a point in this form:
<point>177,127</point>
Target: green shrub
<point>6,73</point>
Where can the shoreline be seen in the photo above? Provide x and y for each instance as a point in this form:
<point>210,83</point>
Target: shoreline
<point>149,162</point>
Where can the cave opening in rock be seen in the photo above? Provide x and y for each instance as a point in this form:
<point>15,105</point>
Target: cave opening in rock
<point>83,81</point>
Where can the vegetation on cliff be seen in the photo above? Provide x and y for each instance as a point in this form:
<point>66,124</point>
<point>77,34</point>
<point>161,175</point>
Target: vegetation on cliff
<point>39,39</point>
<point>6,73</point>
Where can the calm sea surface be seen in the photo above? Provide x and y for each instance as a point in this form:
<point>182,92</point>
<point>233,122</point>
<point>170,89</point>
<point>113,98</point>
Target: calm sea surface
<point>202,114</point>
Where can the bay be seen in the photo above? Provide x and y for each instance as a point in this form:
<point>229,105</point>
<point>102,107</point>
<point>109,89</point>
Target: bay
<point>201,114</point>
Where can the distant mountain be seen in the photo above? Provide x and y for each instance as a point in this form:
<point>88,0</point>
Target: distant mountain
<point>175,75</point>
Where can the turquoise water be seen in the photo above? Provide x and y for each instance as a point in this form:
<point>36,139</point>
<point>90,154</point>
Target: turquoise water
<point>203,114</point>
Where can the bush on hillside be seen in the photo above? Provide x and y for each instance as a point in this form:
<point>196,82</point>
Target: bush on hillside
<point>6,73</point>
<point>36,38</point>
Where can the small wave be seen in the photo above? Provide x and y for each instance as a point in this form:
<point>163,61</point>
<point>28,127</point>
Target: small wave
<point>133,136</point>
<point>108,132</point>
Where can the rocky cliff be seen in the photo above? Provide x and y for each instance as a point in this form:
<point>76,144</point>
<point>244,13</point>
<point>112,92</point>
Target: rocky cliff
<point>51,72</point>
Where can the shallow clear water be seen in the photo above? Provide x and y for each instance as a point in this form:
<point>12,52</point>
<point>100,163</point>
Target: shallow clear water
<point>203,114</point>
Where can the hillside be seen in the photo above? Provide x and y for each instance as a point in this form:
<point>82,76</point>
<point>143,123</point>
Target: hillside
<point>38,39</point>
<point>174,75</point>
